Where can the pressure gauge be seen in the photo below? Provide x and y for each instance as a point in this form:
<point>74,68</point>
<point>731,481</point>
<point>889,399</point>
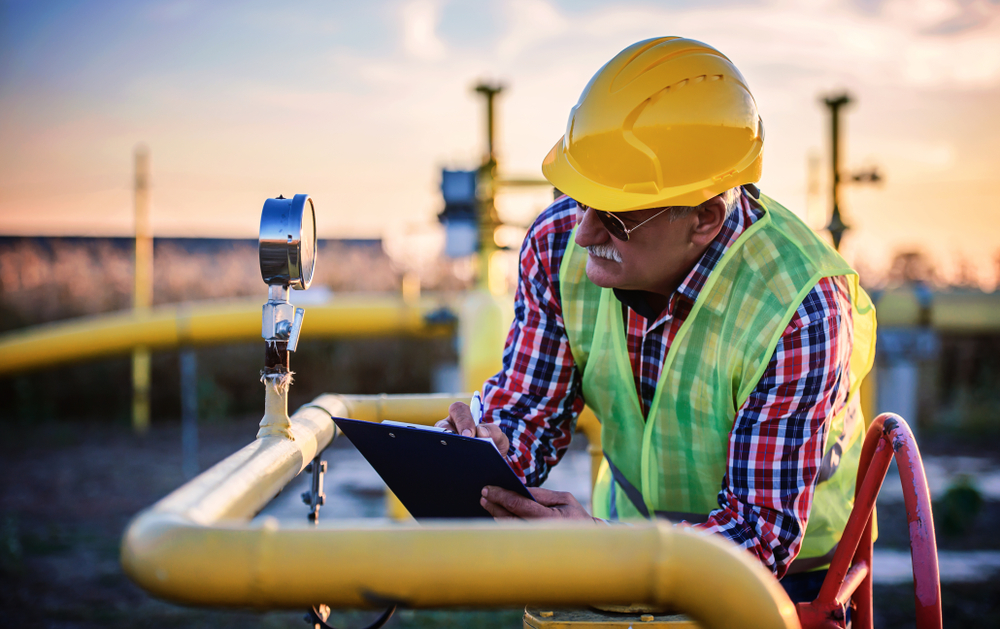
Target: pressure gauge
<point>287,248</point>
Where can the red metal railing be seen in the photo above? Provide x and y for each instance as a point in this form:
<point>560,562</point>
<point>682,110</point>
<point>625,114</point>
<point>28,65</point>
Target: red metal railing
<point>850,575</point>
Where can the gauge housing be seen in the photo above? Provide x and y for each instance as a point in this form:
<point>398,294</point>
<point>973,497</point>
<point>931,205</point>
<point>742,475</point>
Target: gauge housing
<point>287,246</point>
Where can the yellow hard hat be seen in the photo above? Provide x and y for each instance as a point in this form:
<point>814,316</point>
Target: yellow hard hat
<point>668,121</point>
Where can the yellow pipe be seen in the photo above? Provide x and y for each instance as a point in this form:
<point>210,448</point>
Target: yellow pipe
<point>275,422</point>
<point>142,294</point>
<point>196,546</point>
<point>414,409</point>
<point>590,426</point>
<point>965,312</point>
<point>205,324</point>
<point>355,316</point>
<point>484,320</point>
<point>971,311</point>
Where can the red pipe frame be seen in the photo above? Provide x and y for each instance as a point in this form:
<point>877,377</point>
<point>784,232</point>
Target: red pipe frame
<point>850,574</point>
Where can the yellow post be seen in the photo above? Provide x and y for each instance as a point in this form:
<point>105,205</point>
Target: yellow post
<point>411,288</point>
<point>484,319</point>
<point>275,422</point>
<point>143,291</point>
<point>486,177</point>
<point>590,426</point>
<point>394,508</point>
<point>489,220</point>
<point>141,368</point>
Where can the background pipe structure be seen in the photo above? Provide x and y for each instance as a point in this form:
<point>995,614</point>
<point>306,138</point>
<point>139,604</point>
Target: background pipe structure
<point>211,323</point>
<point>197,546</point>
<point>216,323</point>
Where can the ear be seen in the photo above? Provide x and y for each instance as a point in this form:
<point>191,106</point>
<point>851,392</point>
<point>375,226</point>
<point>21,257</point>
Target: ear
<point>708,221</point>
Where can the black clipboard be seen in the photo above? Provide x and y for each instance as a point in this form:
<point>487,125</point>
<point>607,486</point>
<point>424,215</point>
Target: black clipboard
<point>434,474</point>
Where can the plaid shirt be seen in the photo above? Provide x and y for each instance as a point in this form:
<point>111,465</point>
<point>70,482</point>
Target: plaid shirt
<point>778,437</point>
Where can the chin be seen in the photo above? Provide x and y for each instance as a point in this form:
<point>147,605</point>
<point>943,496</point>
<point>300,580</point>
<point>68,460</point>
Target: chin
<point>599,275</point>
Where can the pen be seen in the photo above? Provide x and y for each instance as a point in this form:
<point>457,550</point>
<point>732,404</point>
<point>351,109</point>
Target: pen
<point>476,407</point>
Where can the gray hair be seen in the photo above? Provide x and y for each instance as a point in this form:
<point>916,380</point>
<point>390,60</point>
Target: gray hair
<point>730,197</point>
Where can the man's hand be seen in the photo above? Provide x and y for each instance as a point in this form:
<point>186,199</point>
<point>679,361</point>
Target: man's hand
<point>459,421</point>
<point>503,504</point>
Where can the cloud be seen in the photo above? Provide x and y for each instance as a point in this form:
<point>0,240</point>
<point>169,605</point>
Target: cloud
<point>922,14</point>
<point>972,61</point>
<point>927,44</point>
<point>364,118</point>
<point>529,22</point>
<point>419,21</point>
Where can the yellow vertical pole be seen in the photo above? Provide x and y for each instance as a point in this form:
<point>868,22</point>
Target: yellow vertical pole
<point>143,289</point>
<point>411,288</point>
<point>489,220</point>
<point>483,322</point>
<point>394,508</point>
<point>869,396</point>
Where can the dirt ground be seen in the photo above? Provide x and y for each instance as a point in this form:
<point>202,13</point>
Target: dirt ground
<point>68,492</point>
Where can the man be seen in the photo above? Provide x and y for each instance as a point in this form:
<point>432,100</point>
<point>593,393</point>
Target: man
<point>720,342</point>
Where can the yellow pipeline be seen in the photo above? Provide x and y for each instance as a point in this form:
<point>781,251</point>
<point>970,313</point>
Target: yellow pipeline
<point>356,316</point>
<point>957,311</point>
<point>204,324</point>
<point>414,409</point>
<point>196,546</point>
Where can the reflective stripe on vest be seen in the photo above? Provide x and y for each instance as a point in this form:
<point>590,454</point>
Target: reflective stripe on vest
<point>674,461</point>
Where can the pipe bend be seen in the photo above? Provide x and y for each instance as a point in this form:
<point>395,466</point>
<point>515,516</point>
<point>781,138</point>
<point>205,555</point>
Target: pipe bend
<point>197,546</point>
<point>716,582</point>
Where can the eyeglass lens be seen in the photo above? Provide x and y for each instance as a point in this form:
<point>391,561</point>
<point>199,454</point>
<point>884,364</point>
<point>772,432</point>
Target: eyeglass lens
<point>613,224</point>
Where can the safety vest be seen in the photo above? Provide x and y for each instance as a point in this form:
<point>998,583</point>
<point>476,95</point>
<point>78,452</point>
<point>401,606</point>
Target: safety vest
<point>673,461</point>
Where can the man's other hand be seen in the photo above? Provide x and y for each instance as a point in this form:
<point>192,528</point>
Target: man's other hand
<point>459,421</point>
<point>503,504</point>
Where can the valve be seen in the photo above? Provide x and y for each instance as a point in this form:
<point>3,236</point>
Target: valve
<point>281,321</point>
<point>293,332</point>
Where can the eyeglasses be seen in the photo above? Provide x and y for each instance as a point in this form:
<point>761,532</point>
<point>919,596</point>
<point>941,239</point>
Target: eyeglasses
<point>616,226</point>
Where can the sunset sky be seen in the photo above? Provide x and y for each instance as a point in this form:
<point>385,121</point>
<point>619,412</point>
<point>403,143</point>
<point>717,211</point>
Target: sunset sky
<point>361,103</point>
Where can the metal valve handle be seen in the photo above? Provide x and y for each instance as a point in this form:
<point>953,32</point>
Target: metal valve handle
<point>295,329</point>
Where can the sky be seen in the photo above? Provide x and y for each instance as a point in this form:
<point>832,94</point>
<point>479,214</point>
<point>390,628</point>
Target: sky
<point>360,104</point>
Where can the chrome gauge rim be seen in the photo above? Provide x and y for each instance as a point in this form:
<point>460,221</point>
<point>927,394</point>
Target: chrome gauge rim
<point>287,245</point>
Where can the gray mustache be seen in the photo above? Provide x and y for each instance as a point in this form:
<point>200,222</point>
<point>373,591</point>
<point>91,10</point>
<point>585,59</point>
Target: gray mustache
<point>607,252</point>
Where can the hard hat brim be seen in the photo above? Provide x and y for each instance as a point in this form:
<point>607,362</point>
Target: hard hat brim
<point>558,169</point>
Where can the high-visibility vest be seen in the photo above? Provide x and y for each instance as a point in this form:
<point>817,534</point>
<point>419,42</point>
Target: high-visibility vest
<point>673,461</point>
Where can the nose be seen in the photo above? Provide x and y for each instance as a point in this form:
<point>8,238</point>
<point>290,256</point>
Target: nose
<point>589,229</point>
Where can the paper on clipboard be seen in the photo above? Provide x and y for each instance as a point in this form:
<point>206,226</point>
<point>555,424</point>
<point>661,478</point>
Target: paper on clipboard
<point>389,422</point>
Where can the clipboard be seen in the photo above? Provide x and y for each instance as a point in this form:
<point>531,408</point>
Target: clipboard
<point>434,474</point>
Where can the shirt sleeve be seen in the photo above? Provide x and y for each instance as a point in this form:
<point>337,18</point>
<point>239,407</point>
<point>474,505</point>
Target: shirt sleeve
<point>536,397</point>
<point>777,443</point>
